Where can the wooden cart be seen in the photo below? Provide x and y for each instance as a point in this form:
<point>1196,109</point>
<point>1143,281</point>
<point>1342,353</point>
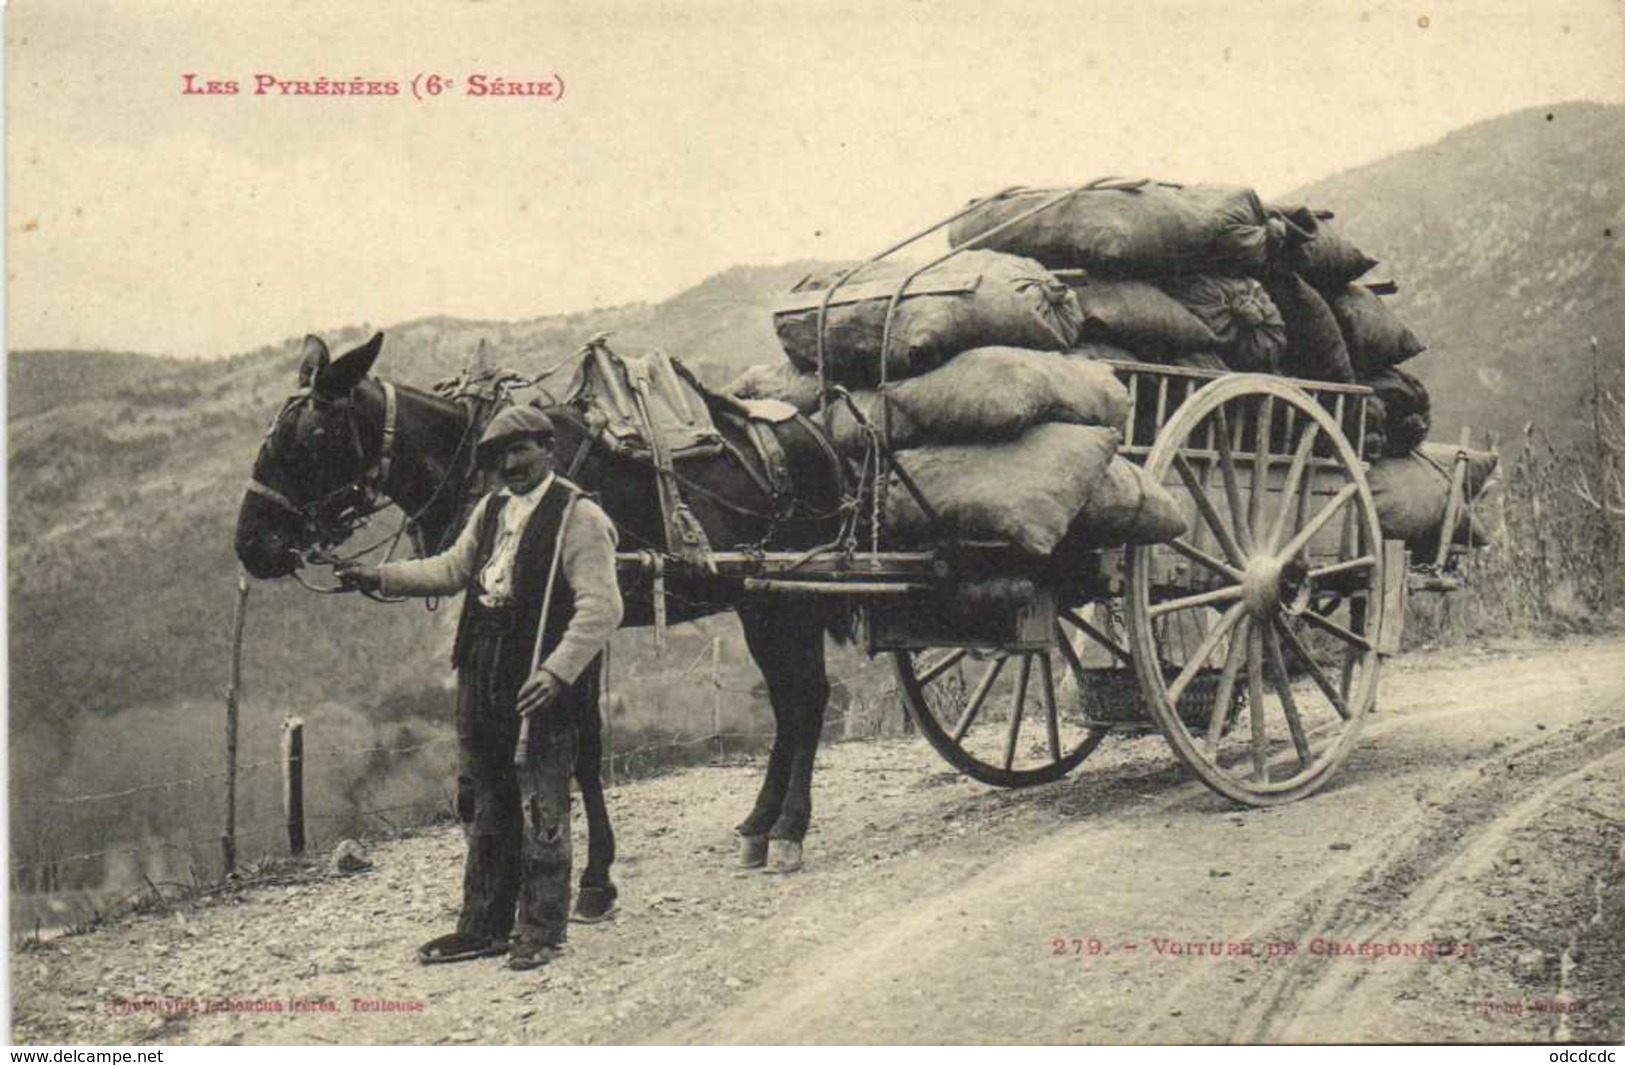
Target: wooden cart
<point>1253,643</point>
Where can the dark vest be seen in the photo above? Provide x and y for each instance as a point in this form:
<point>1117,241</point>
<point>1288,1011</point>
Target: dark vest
<point>516,626</point>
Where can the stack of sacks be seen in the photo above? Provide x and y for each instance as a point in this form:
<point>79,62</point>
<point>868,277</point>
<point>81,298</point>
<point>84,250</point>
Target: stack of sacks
<point>997,404</point>
<point>1341,330</point>
<point>1412,493</point>
<point>1006,444</point>
<point>1174,271</point>
<point>1013,445</point>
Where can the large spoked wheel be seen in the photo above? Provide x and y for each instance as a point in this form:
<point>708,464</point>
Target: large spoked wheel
<point>1006,717</point>
<point>1285,547</point>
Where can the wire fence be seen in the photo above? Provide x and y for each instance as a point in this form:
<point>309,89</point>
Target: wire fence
<point>47,865</point>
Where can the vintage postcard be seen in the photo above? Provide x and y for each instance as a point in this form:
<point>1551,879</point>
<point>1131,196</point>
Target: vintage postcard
<point>768,523</point>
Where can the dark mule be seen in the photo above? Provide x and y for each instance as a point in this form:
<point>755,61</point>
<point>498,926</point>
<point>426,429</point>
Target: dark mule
<point>326,453</point>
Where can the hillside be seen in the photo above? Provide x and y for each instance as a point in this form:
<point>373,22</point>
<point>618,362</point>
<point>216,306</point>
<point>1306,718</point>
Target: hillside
<point>1507,239</point>
<point>126,476</point>
<point>38,380</point>
<point>127,471</point>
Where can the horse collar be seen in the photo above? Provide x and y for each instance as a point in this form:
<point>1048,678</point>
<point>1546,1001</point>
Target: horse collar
<point>386,447</point>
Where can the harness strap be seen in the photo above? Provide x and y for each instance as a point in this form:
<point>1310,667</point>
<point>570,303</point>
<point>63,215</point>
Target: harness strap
<point>276,497</point>
<point>774,461</point>
<point>579,459</point>
<point>685,538</point>
<point>386,447</point>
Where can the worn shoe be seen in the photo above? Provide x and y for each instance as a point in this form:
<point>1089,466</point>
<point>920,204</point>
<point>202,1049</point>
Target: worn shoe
<point>594,904</point>
<point>460,947</point>
<point>523,956</point>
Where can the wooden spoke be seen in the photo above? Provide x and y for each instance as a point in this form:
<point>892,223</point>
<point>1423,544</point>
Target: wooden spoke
<point>1017,701</point>
<point>1186,602</point>
<point>1270,470</point>
<point>946,663</point>
<point>1202,558</point>
<point>1052,719</point>
<point>1221,532</point>
<point>1063,643</point>
<point>1337,630</point>
<point>974,705</point>
<point>1099,637</point>
<point>1289,706</point>
<point>1232,487</point>
<point>1227,685</point>
<point>1261,469</point>
<point>1363,562</point>
<point>1314,525</point>
<point>1194,664</point>
<point>1323,682</point>
<point>1255,699</point>
<point>1294,481</point>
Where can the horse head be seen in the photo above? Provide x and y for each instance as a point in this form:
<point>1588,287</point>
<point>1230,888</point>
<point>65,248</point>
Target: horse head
<point>312,474</point>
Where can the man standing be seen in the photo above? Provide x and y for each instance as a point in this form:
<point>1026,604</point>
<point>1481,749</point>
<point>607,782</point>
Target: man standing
<point>537,559</point>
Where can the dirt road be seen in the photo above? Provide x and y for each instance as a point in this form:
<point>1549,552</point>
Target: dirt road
<point>1462,880</point>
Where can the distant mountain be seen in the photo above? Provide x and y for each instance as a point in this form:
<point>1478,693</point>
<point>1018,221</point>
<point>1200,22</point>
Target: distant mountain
<point>126,472</point>
<point>1507,239</point>
<point>40,380</point>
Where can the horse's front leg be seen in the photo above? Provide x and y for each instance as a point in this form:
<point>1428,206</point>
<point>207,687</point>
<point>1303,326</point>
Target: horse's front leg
<point>788,646</point>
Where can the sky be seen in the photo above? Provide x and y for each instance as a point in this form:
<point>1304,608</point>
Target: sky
<point>689,137</point>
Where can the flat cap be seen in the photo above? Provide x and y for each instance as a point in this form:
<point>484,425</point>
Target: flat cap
<point>511,424</point>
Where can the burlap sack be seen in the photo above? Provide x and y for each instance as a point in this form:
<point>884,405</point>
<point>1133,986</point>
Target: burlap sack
<point>1240,314</point>
<point>1024,492</point>
<point>1127,507</point>
<point>1315,349</point>
<point>1413,492</point>
<point>989,394</point>
<point>1376,338</point>
<point>1481,465</point>
<point>1375,445</point>
<point>998,393</point>
<point>1322,256</point>
<point>976,299</point>
<point>849,436</point>
<point>780,381</point>
<point>1408,408</point>
<point>1141,318</point>
<point>1151,231</point>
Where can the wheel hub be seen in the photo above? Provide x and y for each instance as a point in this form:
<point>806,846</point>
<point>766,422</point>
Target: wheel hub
<point>1268,581</point>
<point>1261,585</point>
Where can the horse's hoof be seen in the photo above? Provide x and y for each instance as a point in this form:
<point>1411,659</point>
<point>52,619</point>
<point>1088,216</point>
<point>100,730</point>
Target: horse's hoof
<point>752,851</point>
<point>783,856</point>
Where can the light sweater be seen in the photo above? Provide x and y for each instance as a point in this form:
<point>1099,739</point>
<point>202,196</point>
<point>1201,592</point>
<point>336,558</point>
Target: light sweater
<point>588,561</point>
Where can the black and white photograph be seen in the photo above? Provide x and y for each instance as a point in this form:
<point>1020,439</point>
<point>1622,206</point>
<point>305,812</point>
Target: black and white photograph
<point>939,522</point>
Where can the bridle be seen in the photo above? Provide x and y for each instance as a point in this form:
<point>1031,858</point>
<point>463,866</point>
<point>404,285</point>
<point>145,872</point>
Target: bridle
<point>332,518</point>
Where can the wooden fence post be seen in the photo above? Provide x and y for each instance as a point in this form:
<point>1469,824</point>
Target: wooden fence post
<point>293,782</point>
<point>228,838</point>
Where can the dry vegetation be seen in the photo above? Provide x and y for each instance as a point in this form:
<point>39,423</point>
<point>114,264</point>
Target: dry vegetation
<point>1557,526</point>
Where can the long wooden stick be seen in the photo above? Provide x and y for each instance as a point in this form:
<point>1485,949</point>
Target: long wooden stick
<point>228,838</point>
<point>521,749</point>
